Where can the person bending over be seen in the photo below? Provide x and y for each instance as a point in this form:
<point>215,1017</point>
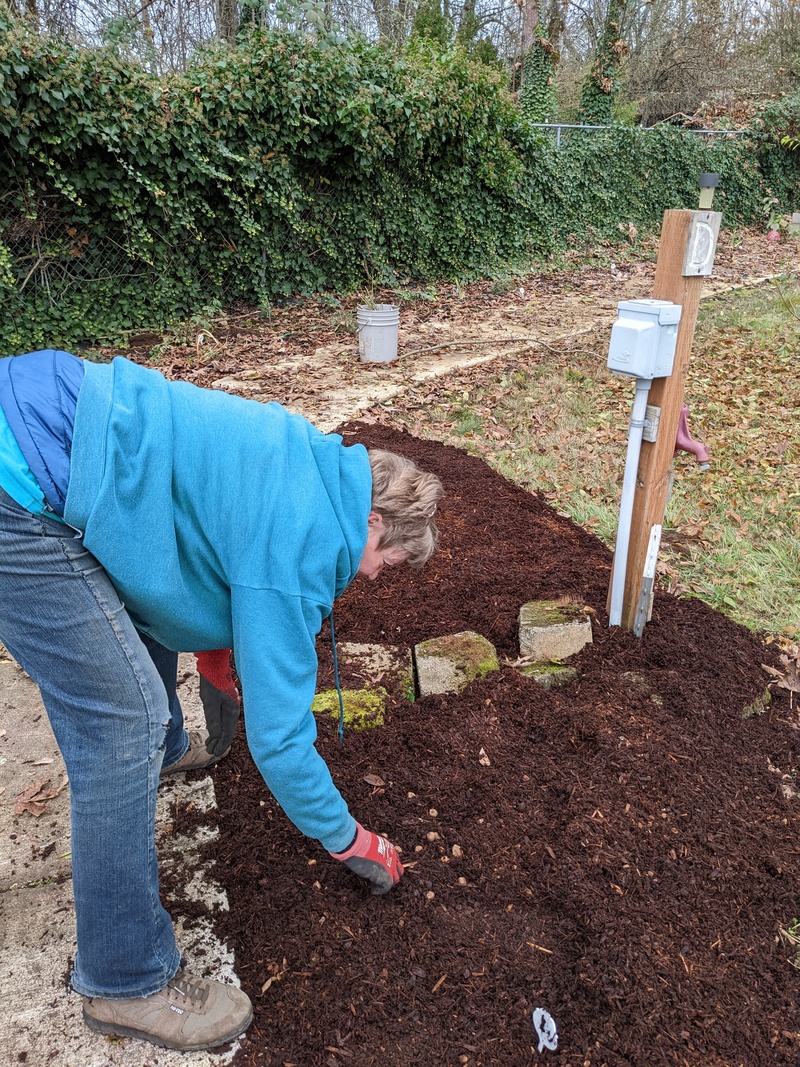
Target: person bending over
<point>140,517</point>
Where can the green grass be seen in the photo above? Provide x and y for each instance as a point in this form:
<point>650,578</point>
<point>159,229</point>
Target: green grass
<point>558,423</point>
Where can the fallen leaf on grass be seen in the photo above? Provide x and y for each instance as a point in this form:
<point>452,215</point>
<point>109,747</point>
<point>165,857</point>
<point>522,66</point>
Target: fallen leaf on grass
<point>33,798</point>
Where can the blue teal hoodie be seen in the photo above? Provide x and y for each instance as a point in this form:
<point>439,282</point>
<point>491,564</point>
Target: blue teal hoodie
<point>227,523</point>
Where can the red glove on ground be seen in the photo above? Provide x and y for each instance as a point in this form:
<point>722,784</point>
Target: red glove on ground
<point>220,699</point>
<point>374,858</point>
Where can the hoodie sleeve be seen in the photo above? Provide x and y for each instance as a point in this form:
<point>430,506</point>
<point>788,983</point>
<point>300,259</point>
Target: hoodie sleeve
<point>274,642</point>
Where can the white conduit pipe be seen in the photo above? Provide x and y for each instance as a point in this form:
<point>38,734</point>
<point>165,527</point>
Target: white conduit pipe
<point>635,431</point>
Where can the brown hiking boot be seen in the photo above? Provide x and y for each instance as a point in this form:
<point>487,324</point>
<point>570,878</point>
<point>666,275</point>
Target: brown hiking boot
<point>189,1014</point>
<point>195,757</point>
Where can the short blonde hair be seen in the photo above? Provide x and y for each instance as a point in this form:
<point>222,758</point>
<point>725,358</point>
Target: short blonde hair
<point>406,498</point>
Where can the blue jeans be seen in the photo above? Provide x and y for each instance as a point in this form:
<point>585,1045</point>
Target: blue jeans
<point>110,697</point>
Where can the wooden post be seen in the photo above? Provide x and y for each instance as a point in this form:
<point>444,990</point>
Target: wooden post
<point>688,241</point>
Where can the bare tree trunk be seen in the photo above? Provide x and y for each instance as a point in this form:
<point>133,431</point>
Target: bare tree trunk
<point>147,26</point>
<point>181,34</point>
<point>227,24</point>
<point>556,23</point>
<point>530,20</point>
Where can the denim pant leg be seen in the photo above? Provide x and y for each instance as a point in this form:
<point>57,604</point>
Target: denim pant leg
<point>166,663</point>
<point>62,620</point>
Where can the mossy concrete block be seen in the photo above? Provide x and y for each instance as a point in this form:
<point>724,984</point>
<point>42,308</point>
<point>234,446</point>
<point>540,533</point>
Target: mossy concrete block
<point>448,664</point>
<point>552,630</point>
<point>549,675</point>
<point>363,708</point>
<point>386,665</point>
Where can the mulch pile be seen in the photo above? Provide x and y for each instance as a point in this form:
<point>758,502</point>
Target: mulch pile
<point>620,852</point>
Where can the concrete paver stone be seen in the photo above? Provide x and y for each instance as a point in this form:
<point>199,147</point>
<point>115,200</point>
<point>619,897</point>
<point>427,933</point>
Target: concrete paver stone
<point>380,664</point>
<point>448,664</point>
<point>552,630</point>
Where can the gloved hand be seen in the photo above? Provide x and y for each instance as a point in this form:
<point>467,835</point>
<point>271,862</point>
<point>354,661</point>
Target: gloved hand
<point>220,699</point>
<point>373,858</point>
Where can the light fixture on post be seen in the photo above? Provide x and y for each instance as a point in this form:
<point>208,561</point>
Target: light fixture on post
<point>708,183</point>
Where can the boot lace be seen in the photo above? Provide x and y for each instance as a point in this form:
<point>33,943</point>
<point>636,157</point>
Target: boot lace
<point>189,989</point>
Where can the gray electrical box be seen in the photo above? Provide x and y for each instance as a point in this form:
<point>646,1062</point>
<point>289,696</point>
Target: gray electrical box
<point>643,338</point>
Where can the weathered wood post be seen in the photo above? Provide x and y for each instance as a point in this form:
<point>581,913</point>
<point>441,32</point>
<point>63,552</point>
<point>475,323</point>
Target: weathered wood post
<point>685,257</point>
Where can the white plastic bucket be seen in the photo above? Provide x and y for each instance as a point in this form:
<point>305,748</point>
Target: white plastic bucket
<point>377,333</point>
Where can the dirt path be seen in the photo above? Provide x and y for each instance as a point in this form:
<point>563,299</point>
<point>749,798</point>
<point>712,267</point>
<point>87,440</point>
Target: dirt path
<point>305,355</point>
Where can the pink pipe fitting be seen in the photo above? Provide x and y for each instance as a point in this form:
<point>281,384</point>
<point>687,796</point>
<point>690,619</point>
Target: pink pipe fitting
<point>685,442</point>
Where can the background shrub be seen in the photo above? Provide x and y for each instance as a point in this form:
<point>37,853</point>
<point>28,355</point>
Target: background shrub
<point>292,164</point>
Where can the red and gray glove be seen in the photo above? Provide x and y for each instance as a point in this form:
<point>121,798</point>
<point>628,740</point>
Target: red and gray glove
<point>220,699</point>
<point>374,858</point>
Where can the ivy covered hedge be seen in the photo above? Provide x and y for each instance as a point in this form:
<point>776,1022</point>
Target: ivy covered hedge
<point>291,165</point>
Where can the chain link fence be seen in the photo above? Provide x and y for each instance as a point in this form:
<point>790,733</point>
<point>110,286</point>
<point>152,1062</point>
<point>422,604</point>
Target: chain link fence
<point>61,270</point>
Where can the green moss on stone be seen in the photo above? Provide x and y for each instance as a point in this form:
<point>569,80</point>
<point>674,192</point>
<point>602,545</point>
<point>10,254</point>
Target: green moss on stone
<point>474,655</point>
<point>363,708</point>
<point>550,612</point>
<point>549,675</point>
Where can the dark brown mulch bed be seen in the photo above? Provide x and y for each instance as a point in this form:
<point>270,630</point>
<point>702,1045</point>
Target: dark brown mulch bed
<point>626,856</point>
